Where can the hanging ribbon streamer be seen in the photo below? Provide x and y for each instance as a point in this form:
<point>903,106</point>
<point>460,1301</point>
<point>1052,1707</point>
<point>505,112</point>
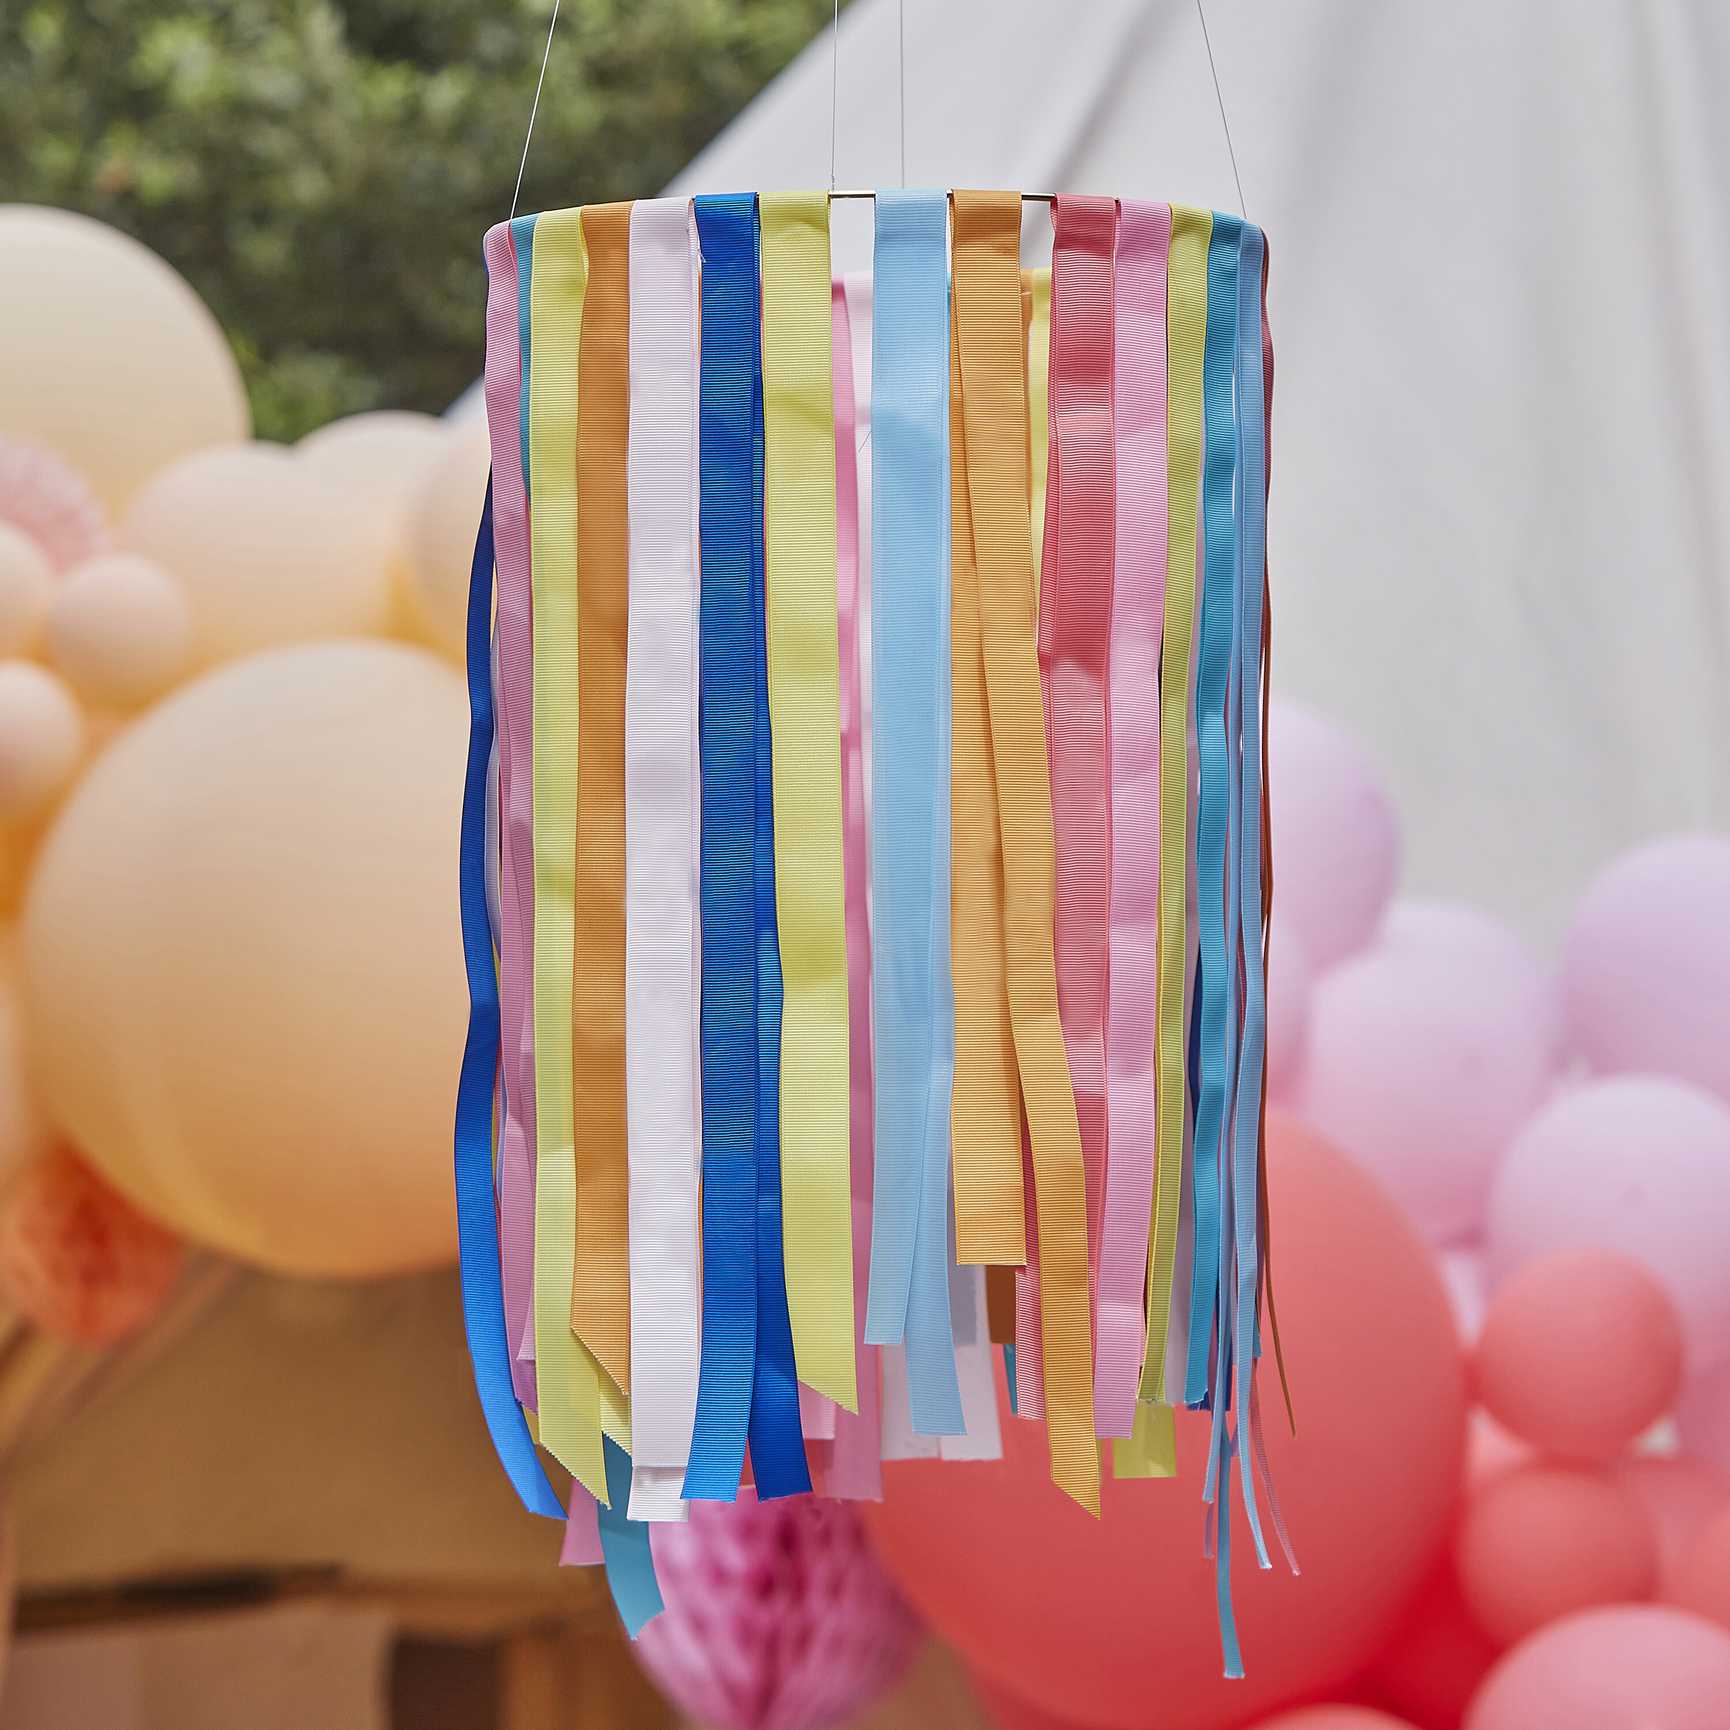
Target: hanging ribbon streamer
<point>630,1563</point>
<point>1132,765</point>
<point>915,998</point>
<point>854,1467</point>
<point>799,495</point>
<point>477,1232</point>
<point>991,351</point>
<point>566,1377</point>
<point>1186,326</point>
<point>661,839</point>
<point>600,1297</point>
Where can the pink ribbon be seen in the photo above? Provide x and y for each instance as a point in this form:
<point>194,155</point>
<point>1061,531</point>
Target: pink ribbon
<point>1132,749</point>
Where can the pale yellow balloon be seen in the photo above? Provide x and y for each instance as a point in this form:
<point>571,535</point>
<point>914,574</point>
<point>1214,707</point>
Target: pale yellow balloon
<point>119,630</point>
<point>41,738</point>
<point>26,582</point>
<point>24,1134</point>
<point>267,549</point>
<point>109,358</point>
<point>441,543</point>
<point>243,964</point>
<point>387,453</point>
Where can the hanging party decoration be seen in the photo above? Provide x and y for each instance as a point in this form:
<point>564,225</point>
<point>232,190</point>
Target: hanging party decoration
<point>866,873</point>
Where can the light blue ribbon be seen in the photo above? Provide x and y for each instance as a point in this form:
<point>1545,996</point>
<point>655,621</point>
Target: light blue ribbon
<point>913,992</point>
<point>630,1563</point>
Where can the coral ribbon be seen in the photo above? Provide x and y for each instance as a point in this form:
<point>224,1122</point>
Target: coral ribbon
<point>805,712</point>
<point>991,357</point>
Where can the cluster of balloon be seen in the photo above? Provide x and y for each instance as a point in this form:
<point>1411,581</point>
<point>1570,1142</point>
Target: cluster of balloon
<point>778,1616</point>
<point>242,1038</point>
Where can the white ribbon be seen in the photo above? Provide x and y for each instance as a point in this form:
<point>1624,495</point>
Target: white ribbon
<point>662,915</point>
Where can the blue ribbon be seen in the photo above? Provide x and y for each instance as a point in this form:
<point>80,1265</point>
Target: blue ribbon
<point>746,1381</point>
<point>625,1548</point>
<point>1213,672</point>
<point>477,1219</point>
<point>913,990</point>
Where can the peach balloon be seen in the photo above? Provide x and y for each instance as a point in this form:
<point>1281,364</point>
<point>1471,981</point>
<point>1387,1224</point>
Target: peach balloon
<point>23,1128</point>
<point>1581,1353</point>
<point>388,453</point>
<point>1072,1615</point>
<point>441,536</point>
<point>1334,1718</point>
<point>51,504</point>
<point>1633,1667</point>
<point>1543,1541</point>
<point>268,550</point>
<point>41,738</point>
<point>26,583</point>
<point>120,631</point>
<point>110,360</point>
<point>1679,1496</point>
<point>78,1258</point>
<point>243,976</point>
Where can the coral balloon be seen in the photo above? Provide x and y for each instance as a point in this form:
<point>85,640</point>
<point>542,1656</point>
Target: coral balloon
<point>1054,1606</point>
<point>1634,1667</point>
<point>1509,972</point>
<point>78,1258</point>
<point>1680,1496</point>
<point>1424,1078</point>
<point>110,360</point>
<point>41,738</point>
<point>268,550</point>
<point>1542,1541</point>
<point>1290,982</point>
<point>243,977</point>
<point>441,536</point>
<point>778,1616</point>
<point>51,504</point>
<point>26,582</point>
<point>1646,964</point>
<point>1581,1353</point>
<point>120,631</point>
<point>1702,1582</point>
<point>1703,1416</point>
<point>1431,1666</point>
<point>1640,1165</point>
<point>1336,841</point>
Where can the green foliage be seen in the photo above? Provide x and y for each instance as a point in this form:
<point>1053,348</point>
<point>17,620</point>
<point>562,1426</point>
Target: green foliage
<point>322,170</point>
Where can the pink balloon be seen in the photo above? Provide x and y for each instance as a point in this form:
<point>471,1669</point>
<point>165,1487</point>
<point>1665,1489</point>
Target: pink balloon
<point>1702,1582</point>
<point>1468,1290</point>
<point>1633,1667</point>
<point>1438,1655</point>
<point>1703,1416</point>
<point>1680,1497</point>
<point>1646,964</point>
<point>1424,1076</point>
<point>1336,841</point>
<point>1637,1164</point>
<point>778,1616</point>
<point>1541,1542</point>
<point>1581,1353</point>
<point>1290,982</point>
<point>51,503</point>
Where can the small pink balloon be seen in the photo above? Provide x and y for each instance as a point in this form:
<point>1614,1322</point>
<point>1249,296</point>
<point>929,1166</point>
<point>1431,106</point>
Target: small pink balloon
<point>1422,1077</point>
<point>1334,1718</point>
<point>1646,964</point>
<point>1542,1541</point>
<point>1631,1667</point>
<point>51,503</point>
<point>1581,1353</point>
<point>78,1258</point>
<point>1290,981</point>
<point>1702,1582</point>
<point>1703,1416</point>
<point>1637,1164</point>
<point>1680,1496</point>
<point>1336,841</point>
<point>1491,1450</point>
<point>778,1615</point>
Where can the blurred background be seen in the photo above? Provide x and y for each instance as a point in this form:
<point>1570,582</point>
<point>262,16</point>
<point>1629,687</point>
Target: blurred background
<point>241,312</point>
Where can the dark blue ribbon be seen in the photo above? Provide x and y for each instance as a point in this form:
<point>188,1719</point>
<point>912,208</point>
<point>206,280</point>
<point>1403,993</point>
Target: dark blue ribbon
<point>477,1220</point>
<point>746,1382</point>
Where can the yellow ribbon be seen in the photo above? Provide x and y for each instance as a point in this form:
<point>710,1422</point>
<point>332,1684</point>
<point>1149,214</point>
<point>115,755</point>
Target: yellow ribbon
<point>565,1374</point>
<point>1150,1449</point>
<point>992,352</point>
<point>1186,327</point>
<point>805,724</point>
<point>600,1300</point>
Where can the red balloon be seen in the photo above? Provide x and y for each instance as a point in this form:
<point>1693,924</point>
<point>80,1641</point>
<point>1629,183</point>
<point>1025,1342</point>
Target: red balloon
<point>1111,1622</point>
<point>1436,1658</point>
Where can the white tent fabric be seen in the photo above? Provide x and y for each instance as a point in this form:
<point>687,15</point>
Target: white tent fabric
<point>1500,545</point>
